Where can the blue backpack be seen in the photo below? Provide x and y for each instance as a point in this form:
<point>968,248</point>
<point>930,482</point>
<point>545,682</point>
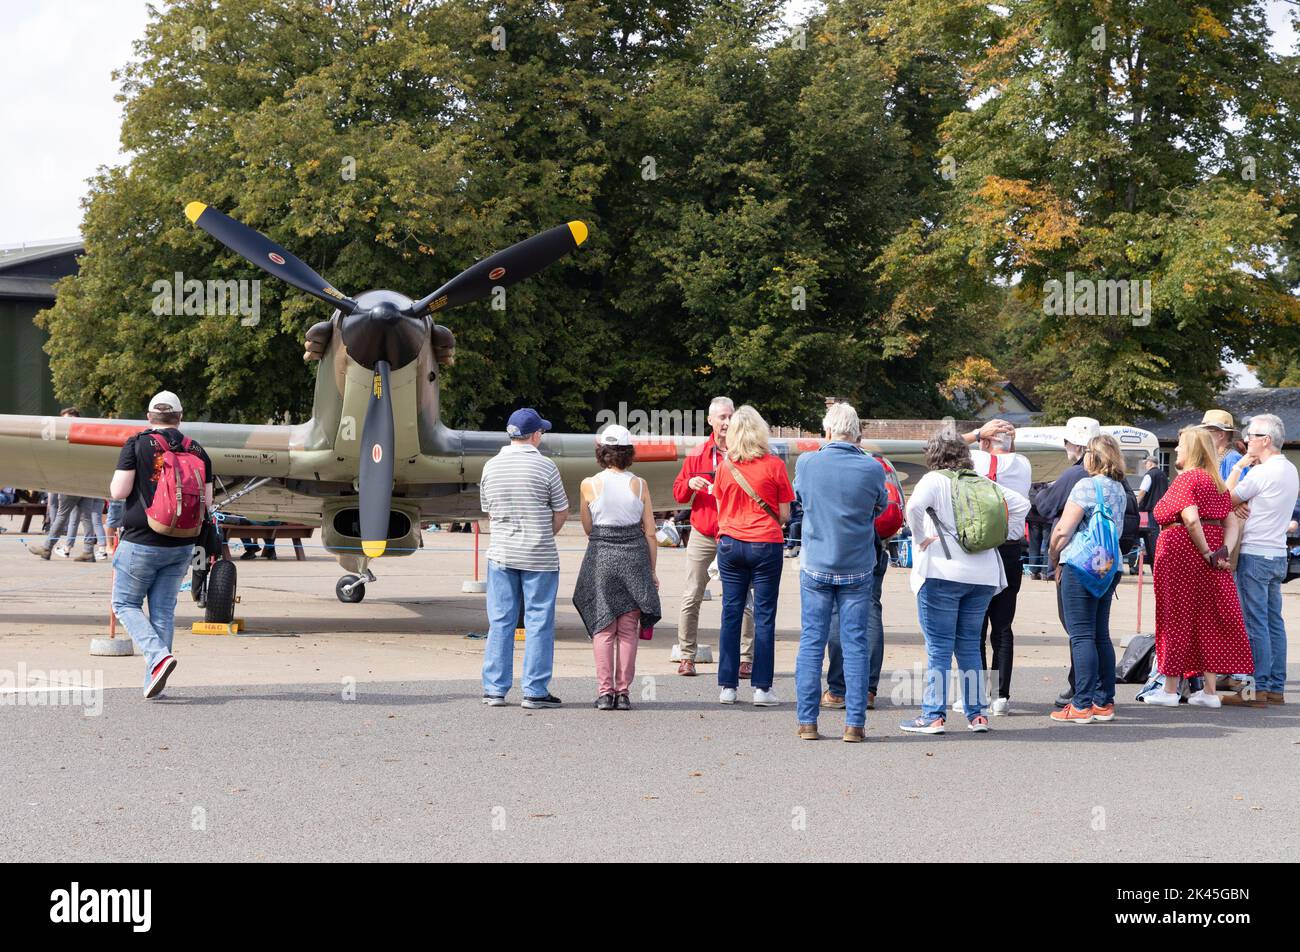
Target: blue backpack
<point>1094,550</point>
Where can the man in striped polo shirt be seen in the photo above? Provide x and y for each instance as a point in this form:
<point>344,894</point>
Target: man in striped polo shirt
<point>521,491</point>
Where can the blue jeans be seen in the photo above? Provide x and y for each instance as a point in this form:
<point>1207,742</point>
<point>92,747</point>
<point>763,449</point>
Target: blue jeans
<point>853,605</point>
<point>153,572</point>
<point>952,614</point>
<point>1259,586</point>
<point>740,566</point>
<point>507,590</point>
<point>1087,622</point>
<point>875,634</point>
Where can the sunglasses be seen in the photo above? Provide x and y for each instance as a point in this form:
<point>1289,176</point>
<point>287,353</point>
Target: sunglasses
<point>1252,436</point>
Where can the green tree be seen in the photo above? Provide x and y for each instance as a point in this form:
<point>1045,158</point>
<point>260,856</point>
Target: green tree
<point>1134,139</point>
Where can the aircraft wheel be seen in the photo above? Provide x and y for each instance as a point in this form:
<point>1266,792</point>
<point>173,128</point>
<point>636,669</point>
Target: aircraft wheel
<point>357,593</point>
<point>220,606</point>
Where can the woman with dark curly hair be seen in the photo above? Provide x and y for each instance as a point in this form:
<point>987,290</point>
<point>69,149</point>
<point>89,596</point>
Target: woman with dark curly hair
<point>618,592</point>
<point>953,587</point>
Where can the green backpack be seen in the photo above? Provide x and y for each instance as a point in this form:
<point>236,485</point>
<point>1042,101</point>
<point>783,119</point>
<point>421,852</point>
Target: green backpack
<point>979,509</point>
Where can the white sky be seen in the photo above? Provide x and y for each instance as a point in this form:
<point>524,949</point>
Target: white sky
<point>60,121</point>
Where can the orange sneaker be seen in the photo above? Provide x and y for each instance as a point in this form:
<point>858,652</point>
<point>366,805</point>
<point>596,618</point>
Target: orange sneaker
<point>1072,715</point>
<point>1103,712</point>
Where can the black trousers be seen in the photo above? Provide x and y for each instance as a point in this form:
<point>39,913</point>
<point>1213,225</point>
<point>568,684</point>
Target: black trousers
<point>1000,615</point>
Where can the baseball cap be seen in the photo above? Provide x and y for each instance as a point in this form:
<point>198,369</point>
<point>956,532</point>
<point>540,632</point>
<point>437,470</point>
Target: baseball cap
<point>614,435</point>
<point>1218,420</point>
<point>525,422</point>
<point>1080,429</point>
<point>164,401</point>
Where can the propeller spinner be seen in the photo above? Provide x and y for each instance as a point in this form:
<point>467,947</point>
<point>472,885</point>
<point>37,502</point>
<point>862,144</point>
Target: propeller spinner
<point>386,335</point>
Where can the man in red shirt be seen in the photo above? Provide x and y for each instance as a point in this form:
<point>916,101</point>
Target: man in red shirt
<point>694,485</point>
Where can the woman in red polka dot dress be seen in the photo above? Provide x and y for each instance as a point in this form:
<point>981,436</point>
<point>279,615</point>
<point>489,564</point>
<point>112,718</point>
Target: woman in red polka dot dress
<point>1199,627</point>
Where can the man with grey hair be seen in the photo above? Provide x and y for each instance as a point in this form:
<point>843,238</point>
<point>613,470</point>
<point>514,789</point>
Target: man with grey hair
<point>1270,489</point>
<point>842,490</point>
<point>694,485</point>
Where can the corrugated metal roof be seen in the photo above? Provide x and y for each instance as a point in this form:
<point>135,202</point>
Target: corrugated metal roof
<point>1283,402</point>
<point>29,253</point>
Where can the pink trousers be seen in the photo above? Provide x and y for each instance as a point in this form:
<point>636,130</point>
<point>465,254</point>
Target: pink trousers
<point>619,638</point>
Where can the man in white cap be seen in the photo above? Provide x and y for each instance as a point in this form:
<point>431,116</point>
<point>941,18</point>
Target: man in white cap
<point>151,559</point>
<point>1050,503</point>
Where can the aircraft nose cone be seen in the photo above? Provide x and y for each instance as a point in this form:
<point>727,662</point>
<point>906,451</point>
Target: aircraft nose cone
<point>385,312</point>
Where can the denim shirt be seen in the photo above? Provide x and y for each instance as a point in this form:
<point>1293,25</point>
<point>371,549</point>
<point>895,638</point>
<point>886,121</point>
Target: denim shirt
<point>841,490</point>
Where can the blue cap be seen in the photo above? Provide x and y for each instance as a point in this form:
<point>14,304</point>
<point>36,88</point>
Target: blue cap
<point>525,422</point>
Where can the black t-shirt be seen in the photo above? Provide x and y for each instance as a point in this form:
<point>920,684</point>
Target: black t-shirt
<point>140,454</point>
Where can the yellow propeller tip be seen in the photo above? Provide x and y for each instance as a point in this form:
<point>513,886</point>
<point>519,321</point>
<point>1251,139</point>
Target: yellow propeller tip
<point>193,210</point>
<point>579,232</point>
<point>374,550</point>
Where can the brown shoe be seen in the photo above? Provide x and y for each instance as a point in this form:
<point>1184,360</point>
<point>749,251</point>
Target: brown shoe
<point>1274,697</point>
<point>1230,699</point>
<point>871,700</point>
<point>809,732</point>
<point>746,669</point>
<point>687,667</point>
<point>85,555</point>
<point>1227,682</point>
<point>854,735</point>
<point>40,550</point>
<point>832,701</point>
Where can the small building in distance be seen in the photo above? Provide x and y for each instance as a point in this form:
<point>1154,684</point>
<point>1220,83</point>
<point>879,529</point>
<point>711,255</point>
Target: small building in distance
<point>27,276</point>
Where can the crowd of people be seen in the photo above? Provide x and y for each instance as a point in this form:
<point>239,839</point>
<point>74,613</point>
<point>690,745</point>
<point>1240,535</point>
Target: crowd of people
<point>1217,545</point>
<point>1219,555</point>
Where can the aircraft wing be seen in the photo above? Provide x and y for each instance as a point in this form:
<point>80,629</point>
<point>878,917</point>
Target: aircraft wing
<point>77,455</point>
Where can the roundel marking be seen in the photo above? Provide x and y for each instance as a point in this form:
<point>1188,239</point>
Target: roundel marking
<point>278,259</point>
<point>496,274</point>
<point>376,452</point>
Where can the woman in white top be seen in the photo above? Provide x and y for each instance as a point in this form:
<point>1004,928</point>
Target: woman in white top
<point>618,592</point>
<point>953,587</point>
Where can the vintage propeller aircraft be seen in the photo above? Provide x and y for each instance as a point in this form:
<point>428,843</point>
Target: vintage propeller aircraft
<point>374,462</point>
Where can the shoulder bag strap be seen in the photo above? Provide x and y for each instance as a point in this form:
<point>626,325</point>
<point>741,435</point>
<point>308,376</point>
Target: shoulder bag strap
<point>743,483</point>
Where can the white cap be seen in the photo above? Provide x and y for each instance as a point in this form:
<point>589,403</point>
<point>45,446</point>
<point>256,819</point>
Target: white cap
<point>614,435</point>
<point>1080,429</point>
<point>164,401</point>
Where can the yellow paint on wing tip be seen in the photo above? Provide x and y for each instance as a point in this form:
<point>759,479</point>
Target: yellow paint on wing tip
<point>374,550</point>
<point>193,210</point>
<point>579,232</point>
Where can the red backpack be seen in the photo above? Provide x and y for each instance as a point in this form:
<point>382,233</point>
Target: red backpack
<point>890,519</point>
<point>177,508</point>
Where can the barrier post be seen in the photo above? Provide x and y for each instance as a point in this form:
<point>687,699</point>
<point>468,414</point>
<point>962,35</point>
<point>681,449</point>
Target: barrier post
<point>476,586</point>
<point>112,646</point>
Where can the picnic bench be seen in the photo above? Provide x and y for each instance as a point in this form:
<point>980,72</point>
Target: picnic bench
<point>25,509</point>
<point>288,530</point>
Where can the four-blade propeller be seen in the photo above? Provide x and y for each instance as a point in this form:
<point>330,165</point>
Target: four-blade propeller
<point>384,336</point>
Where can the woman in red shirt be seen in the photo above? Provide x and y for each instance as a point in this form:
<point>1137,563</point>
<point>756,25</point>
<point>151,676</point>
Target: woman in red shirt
<point>754,495</point>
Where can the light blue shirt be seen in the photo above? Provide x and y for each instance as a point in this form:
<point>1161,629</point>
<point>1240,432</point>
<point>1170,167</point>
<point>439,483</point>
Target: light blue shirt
<point>841,490</point>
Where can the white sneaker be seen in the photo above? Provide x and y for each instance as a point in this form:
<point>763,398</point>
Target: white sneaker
<point>1161,698</point>
<point>101,554</point>
<point>765,698</point>
<point>1201,699</point>
<point>1001,707</point>
<point>728,696</point>
<point>61,552</point>
<point>958,706</point>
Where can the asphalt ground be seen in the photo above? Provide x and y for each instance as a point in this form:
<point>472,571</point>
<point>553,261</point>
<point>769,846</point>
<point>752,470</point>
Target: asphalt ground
<point>358,735</point>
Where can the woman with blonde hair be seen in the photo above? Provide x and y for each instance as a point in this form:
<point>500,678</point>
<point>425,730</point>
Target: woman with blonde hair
<point>754,495</point>
<point>1086,593</point>
<point>1199,625</point>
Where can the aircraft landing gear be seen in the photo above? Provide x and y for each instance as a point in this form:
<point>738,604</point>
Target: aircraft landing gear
<point>352,588</point>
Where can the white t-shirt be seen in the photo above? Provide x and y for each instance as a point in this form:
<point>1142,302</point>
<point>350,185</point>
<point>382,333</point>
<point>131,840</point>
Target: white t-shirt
<point>980,568</point>
<point>1271,489</point>
<point>1145,487</point>
<point>1014,471</point>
